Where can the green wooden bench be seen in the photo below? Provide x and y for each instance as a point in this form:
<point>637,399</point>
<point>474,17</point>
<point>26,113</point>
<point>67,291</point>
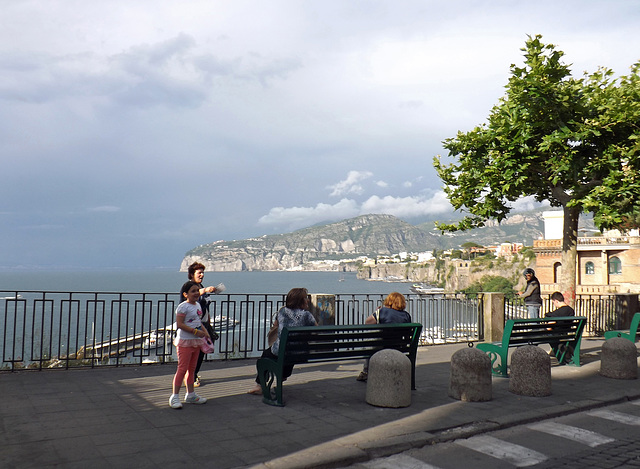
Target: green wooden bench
<point>562,333</point>
<point>313,344</point>
<point>633,330</point>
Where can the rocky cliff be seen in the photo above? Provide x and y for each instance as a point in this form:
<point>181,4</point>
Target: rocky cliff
<point>337,246</point>
<point>316,248</point>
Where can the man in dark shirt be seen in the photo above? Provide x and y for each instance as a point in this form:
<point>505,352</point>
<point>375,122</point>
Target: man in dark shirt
<point>561,310</point>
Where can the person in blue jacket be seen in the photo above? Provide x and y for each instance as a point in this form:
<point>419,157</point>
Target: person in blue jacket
<point>392,311</point>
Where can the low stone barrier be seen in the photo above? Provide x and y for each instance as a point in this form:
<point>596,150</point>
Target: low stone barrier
<point>470,376</point>
<point>389,379</point>
<point>619,359</point>
<point>530,372</point>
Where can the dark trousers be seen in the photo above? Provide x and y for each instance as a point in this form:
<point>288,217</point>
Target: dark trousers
<point>288,369</point>
<point>200,358</point>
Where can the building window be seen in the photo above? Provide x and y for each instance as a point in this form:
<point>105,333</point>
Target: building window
<point>589,268</point>
<point>615,266</point>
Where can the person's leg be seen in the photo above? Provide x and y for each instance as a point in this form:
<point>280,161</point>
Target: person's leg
<point>257,389</point>
<point>183,367</point>
<point>533,311</point>
<point>193,362</point>
<point>196,380</point>
<point>364,374</point>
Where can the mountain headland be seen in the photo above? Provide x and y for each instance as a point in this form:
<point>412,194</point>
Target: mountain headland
<point>347,244</point>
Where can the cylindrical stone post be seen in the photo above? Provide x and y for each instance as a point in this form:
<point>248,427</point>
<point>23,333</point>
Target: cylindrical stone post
<point>619,359</point>
<point>470,376</point>
<point>389,379</point>
<point>530,372</point>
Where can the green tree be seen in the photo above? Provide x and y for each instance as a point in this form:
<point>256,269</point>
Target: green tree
<point>572,142</point>
<point>492,283</point>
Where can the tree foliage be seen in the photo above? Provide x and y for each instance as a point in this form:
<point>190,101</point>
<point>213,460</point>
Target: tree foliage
<point>574,142</point>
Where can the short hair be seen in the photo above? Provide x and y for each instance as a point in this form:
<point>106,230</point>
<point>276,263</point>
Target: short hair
<point>193,268</point>
<point>395,301</point>
<point>296,298</point>
<point>186,287</point>
<point>557,296</point>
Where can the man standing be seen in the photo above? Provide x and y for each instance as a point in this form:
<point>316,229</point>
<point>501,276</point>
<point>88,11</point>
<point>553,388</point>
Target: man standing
<point>531,294</point>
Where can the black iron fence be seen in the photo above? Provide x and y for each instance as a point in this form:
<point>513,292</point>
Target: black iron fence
<point>601,311</point>
<point>89,329</point>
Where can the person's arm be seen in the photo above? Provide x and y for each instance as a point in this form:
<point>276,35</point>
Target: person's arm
<point>371,320</point>
<point>191,330</point>
<point>528,291</point>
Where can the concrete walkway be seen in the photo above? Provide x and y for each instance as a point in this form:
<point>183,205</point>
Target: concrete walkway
<point>120,417</point>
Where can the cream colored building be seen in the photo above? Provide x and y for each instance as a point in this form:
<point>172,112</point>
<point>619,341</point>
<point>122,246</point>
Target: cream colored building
<point>606,264</point>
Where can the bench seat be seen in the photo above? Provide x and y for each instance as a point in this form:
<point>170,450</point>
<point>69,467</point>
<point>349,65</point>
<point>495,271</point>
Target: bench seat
<point>315,344</point>
<point>632,334</point>
<point>562,333</point>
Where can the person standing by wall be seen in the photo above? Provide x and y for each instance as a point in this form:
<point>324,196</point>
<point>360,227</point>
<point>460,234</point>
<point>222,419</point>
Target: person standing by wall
<point>195,273</point>
<point>531,294</point>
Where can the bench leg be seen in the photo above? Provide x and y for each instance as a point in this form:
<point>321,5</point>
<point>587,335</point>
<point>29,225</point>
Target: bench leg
<point>271,385</point>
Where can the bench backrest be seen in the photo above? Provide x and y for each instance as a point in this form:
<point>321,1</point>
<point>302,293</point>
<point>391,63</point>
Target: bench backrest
<point>542,330</point>
<point>326,343</point>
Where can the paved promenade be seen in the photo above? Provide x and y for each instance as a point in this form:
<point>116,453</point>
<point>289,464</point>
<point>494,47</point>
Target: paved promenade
<point>119,417</point>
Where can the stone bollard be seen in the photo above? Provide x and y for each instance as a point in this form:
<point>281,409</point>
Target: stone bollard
<point>619,359</point>
<point>389,380</point>
<point>530,372</point>
<point>470,376</point>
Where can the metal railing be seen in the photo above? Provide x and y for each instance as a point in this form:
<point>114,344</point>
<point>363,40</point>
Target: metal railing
<point>88,329</point>
<point>600,311</point>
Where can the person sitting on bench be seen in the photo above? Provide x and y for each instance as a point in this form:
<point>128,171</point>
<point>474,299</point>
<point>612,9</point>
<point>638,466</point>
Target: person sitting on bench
<point>561,310</point>
<point>391,312</point>
<point>295,313</point>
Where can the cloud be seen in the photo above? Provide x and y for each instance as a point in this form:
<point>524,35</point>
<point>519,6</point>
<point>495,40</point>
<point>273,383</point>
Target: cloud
<point>298,217</point>
<point>351,184</point>
<point>402,207</point>
<point>407,207</point>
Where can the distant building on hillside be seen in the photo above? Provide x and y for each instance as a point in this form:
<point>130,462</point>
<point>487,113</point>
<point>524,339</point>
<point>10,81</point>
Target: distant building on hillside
<point>609,263</point>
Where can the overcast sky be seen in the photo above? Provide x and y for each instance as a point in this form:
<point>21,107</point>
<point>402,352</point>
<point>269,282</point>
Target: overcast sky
<point>134,130</point>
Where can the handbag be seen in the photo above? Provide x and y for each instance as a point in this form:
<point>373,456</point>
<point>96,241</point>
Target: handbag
<point>273,333</point>
<point>207,345</point>
<point>213,334</point>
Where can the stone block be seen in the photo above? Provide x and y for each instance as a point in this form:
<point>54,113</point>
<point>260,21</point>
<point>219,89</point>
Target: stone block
<point>470,376</point>
<point>530,372</point>
<point>389,380</point>
<point>619,359</point>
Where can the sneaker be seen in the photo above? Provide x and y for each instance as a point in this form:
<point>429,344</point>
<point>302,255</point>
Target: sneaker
<point>362,376</point>
<point>196,382</point>
<point>174,402</point>
<point>195,399</point>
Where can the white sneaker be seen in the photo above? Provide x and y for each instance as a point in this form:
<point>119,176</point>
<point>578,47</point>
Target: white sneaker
<point>174,402</point>
<point>195,399</point>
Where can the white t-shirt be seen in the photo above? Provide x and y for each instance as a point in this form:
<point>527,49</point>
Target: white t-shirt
<point>192,318</point>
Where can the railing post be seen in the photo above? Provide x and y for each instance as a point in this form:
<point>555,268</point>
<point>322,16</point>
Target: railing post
<point>323,308</point>
<point>626,305</point>
<point>493,304</point>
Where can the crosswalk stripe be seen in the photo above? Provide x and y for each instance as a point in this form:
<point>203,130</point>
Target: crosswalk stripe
<point>517,455</point>
<point>579,435</point>
<point>398,461</point>
<point>615,416</point>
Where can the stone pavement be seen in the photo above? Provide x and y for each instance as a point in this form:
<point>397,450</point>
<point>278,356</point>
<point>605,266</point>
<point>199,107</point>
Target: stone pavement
<point>119,417</point>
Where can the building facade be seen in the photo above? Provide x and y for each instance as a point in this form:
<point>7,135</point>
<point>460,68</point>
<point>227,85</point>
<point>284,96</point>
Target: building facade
<point>609,263</point>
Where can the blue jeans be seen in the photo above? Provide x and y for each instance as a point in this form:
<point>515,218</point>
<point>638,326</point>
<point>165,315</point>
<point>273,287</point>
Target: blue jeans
<point>533,311</point>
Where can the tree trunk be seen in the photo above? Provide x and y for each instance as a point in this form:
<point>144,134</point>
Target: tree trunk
<point>569,253</point>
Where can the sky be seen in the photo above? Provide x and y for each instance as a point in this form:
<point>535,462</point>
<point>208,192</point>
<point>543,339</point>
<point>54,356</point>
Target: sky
<point>134,131</point>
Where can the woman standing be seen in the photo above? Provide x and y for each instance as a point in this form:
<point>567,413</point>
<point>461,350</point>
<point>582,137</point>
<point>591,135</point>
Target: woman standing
<point>196,274</point>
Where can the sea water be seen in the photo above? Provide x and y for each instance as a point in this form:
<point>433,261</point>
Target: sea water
<point>163,281</point>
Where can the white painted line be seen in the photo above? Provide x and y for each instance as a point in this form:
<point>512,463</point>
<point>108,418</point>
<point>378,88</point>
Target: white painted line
<point>517,455</point>
<point>580,435</point>
<point>398,461</point>
<point>615,416</point>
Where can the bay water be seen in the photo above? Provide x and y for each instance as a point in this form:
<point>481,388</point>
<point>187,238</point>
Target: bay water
<point>164,281</point>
